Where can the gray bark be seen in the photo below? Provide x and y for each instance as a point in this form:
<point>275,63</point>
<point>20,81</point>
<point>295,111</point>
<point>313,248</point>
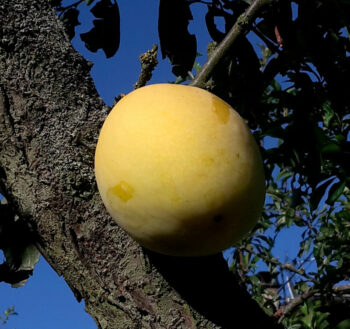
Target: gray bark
<point>50,116</point>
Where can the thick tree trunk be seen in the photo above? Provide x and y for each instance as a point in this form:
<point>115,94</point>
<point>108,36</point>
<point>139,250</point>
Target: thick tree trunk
<point>50,116</point>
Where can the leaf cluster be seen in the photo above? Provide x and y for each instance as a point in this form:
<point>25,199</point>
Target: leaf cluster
<point>104,35</point>
<point>176,42</point>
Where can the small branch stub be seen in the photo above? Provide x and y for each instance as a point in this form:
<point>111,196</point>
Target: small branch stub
<point>148,63</point>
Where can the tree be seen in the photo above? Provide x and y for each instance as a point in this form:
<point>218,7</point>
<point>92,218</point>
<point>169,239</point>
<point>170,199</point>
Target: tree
<point>50,115</point>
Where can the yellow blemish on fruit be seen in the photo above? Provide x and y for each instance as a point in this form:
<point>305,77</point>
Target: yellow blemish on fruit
<point>207,161</point>
<point>123,191</point>
<point>222,112</point>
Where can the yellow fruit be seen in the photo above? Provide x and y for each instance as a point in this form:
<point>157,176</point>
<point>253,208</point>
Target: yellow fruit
<point>179,170</point>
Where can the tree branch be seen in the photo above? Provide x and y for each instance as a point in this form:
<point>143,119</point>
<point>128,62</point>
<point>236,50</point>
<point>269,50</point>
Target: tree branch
<point>297,301</point>
<point>239,28</point>
<point>306,295</point>
<point>274,261</point>
<point>343,289</point>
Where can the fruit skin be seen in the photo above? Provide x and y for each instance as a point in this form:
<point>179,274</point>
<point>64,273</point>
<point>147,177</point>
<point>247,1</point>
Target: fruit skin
<point>179,170</point>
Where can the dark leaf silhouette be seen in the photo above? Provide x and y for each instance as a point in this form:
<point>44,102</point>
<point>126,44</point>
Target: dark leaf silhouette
<point>175,41</point>
<point>55,3</point>
<point>70,20</point>
<point>18,248</point>
<point>216,10</point>
<point>105,34</point>
<point>214,33</point>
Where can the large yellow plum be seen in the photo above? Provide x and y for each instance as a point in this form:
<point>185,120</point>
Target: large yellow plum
<point>179,170</point>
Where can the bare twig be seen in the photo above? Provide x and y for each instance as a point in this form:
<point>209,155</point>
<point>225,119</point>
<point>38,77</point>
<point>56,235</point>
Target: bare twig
<point>299,268</point>
<point>148,63</point>
<point>297,301</point>
<point>274,261</point>
<point>239,28</point>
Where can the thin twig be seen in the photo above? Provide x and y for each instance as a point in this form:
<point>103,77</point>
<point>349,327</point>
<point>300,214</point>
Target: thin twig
<point>239,28</point>
<point>300,267</point>
<point>274,261</point>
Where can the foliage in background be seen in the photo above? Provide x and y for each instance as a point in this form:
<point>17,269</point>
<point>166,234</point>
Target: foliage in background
<point>294,91</point>
<point>306,45</point>
<point>4,318</point>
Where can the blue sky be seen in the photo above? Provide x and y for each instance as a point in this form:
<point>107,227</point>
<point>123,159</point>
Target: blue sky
<point>46,302</point>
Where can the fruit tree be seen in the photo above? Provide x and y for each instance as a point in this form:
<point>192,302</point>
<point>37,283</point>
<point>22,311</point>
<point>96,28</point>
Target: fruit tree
<point>283,66</point>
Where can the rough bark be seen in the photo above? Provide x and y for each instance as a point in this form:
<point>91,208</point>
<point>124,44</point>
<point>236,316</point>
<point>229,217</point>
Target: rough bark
<point>50,116</point>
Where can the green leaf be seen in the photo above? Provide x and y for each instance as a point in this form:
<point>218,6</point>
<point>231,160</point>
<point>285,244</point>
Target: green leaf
<point>254,280</point>
<point>340,138</point>
<point>331,148</point>
<point>294,326</point>
<point>335,192</point>
<point>284,175</point>
<point>304,247</point>
<point>320,137</point>
<point>319,251</point>
<point>345,324</point>
<point>10,311</point>
<point>179,80</point>
<point>343,215</point>
<point>89,2</point>
<point>318,193</point>
<point>328,113</point>
<point>197,67</point>
<point>339,263</point>
<point>19,264</point>
<point>30,258</point>
<point>255,260</point>
<point>7,313</point>
<point>305,308</point>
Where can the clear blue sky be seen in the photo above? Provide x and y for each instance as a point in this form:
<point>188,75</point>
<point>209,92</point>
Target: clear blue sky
<point>46,302</point>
